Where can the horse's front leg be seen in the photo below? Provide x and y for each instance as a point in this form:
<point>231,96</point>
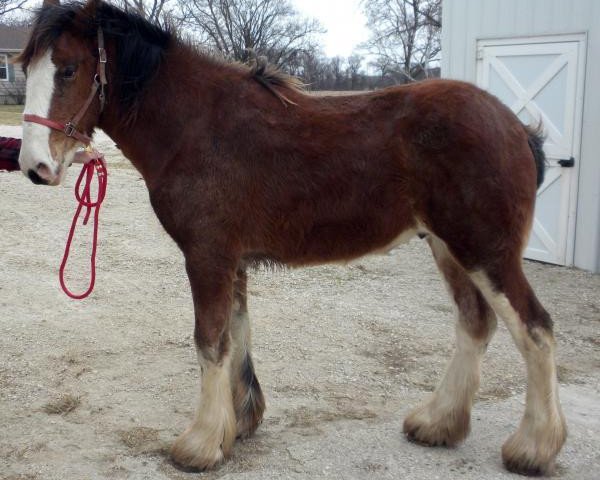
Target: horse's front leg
<point>210,436</point>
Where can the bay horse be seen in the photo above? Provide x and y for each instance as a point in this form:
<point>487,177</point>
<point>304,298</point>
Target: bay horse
<point>243,167</point>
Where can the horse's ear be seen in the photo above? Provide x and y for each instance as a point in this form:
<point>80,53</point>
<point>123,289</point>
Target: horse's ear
<point>92,6</point>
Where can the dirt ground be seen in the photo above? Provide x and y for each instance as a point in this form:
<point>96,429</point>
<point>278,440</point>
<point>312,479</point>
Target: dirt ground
<point>98,389</point>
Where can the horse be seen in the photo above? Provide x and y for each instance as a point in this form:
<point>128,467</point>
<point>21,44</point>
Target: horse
<point>244,168</point>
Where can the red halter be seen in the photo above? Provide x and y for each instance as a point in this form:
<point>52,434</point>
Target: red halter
<point>93,162</point>
<point>100,81</point>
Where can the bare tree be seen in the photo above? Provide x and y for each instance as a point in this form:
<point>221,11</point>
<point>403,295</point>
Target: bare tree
<point>353,70</point>
<point>10,6</point>
<point>337,69</point>
<point>308,66</point>
<point>236,28</point>
<point>405,34</point>
<point>156,11</point>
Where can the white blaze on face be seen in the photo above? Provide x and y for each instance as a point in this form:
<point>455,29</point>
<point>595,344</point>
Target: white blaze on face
<point>35,150</point>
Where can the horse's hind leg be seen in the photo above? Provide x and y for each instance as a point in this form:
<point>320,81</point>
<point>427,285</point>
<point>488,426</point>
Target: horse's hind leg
<point>445,418</point>
<point>248,400</point>
<point>542,432</point>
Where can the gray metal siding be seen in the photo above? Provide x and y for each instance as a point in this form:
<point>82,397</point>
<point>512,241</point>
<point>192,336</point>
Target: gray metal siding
<point>466,21</point>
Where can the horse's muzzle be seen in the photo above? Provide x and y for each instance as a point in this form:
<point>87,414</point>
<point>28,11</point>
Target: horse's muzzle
<point>45,175</point>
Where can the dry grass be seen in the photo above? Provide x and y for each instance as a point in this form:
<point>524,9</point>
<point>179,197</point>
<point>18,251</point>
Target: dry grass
<point>11,114</point>
<point>62,405</point>
<point>138,436</point>
<point>144,440</point>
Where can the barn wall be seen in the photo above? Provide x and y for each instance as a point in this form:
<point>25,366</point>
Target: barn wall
<point>466,21</point>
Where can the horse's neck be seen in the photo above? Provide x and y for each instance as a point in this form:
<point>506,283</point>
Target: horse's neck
<point>180,92</point>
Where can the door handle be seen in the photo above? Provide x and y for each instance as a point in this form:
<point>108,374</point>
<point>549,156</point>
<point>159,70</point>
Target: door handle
<point>567,162</point>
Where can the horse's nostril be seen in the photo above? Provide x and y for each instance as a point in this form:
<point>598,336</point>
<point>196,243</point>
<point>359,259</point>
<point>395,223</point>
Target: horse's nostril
<point>35,178</point>
<point>43,169</point>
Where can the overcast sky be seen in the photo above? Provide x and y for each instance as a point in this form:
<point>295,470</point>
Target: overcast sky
<point>344,21</point>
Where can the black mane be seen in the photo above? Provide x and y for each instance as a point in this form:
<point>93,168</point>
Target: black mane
<point>140,47</point>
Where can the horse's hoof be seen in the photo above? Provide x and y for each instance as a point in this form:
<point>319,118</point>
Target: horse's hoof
<point>193,450</point>
<point>533,455</point>
<point>522,466</point>
<point>447,430</point>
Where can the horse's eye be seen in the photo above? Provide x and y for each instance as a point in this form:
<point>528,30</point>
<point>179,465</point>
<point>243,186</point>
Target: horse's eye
<point>69,72</point>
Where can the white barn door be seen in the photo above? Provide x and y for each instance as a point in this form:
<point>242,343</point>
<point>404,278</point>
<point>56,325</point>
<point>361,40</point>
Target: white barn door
<point>542,78</point>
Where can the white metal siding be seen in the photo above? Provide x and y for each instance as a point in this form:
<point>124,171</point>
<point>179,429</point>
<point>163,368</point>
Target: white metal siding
<point>466,21</point>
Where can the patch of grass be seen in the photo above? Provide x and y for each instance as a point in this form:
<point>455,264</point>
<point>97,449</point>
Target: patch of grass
<point>11,114</point>
<point>63,405</point>
<point>141,439</point>
<point>21,452</point>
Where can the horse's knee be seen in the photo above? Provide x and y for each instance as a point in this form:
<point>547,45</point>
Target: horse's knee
<point>212,339</point>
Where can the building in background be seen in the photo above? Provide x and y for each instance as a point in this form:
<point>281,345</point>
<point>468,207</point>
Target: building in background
<point>12,80</point>
<point>542,58</point>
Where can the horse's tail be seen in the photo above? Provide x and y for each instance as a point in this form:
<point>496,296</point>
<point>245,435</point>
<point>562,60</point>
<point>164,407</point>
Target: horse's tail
<point>535,139</point>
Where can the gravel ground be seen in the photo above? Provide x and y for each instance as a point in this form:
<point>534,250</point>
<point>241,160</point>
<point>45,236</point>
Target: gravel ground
<point>98,389</point>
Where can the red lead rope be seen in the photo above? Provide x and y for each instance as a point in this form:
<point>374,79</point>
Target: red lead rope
<point>93,162</point>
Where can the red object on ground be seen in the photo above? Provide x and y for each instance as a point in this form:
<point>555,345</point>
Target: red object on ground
<point>9,153</point>
<point>93,163</point>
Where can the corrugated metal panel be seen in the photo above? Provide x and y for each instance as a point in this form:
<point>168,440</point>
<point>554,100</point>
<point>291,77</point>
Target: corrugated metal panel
<point>466,21</point>
<point>469,20</point>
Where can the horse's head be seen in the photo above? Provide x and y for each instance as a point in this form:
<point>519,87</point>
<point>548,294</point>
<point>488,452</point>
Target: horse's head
<point>64,89</point>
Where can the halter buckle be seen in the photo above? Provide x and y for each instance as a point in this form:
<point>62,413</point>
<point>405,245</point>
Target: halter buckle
<point>70,129</point>
<point>102,55</point>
